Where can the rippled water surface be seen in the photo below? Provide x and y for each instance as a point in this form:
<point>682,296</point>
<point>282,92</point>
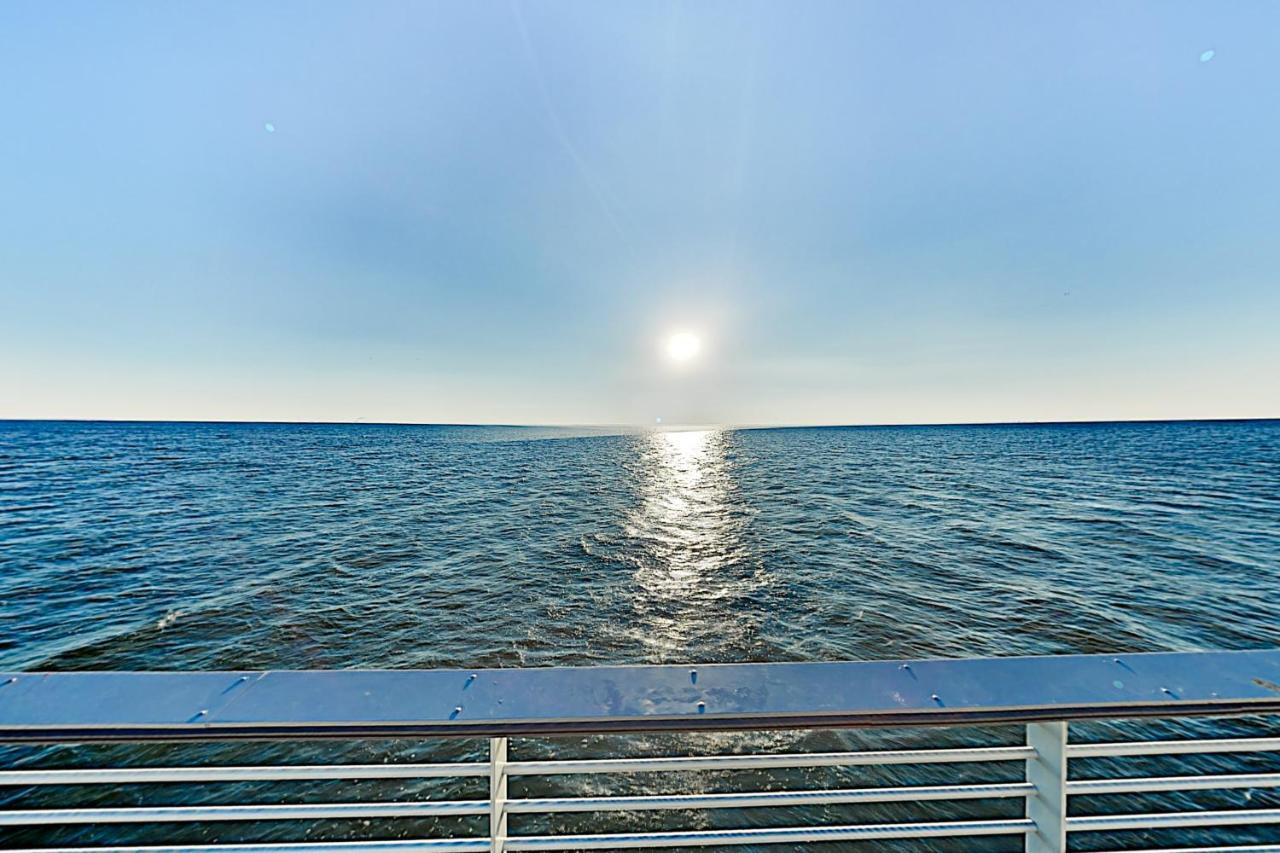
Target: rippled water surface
<point>174,546</point>
<point>178,546</point>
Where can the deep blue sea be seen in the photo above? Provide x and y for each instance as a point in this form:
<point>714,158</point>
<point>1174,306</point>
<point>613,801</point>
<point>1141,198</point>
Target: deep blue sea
<point>179,546</point>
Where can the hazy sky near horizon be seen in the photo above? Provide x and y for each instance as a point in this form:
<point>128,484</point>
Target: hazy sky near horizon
<point>495,212</point>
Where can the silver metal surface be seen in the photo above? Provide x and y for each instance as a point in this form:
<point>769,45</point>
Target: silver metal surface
<point>1247,848</point>
<point>781,835</point>
<point>187,814</point>
<point>497,794</point>
<point>771,799</point>
<point>431,845</point>
<point>776,761</point>
<point>214,773</point>
<point>1043,692</point>
<point>1143,785</point>
<point>1047,774</point>
<point>292,704</point>
<point>1173,747</point>
<point>1172,820</point>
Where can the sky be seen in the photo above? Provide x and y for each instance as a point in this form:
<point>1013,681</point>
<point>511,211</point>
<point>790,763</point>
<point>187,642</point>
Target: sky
<point>499,212</point>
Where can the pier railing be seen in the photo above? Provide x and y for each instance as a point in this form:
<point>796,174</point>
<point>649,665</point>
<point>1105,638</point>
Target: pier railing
<point>504,706</point>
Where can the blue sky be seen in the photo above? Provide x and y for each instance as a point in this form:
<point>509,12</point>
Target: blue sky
<point>495,212</point>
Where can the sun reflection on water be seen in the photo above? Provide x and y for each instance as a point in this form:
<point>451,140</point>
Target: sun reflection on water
<point>689,588</point>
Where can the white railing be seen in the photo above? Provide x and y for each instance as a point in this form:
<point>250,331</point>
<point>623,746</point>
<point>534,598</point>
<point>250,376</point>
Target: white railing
<point>1045,785</point>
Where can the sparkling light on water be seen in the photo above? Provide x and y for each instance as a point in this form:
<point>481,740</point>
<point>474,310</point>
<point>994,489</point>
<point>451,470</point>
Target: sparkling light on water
<point>691,520</point>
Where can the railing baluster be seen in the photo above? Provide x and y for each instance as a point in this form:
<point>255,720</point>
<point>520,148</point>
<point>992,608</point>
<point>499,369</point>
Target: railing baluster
<point>497,794</point>
<point>1048,772</point>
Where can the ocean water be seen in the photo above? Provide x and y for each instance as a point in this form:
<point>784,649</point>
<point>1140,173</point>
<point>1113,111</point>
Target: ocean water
<point>176,546</point>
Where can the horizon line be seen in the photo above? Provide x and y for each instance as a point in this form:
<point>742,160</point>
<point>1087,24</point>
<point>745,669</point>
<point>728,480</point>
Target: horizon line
<point>648,427</point>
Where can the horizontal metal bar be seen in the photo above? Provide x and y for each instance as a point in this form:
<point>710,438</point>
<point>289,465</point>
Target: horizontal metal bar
<point>1142,785</point>
<point>185,814</point>
<point>787,835</point>
<point>707,838</point>
<point>285,773</point>
<point>107,706</point>
<point>767,761</point>
<point>1249,848</point>
<point>1171,820</point>
<point>1173,747</point>
<point>425,845</point>
<point>761,799</point>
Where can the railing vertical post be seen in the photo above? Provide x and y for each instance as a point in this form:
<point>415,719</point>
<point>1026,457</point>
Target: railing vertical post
<point>497,794</point>
<point>1047,770</point>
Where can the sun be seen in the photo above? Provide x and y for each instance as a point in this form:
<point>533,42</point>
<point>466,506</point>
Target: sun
<point>683,347</point>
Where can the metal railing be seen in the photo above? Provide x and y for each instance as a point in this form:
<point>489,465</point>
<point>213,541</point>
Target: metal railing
<point>507,706</point>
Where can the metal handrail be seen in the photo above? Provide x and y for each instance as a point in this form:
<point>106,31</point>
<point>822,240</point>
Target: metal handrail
<point>105,707</point>
<point>576,700</point>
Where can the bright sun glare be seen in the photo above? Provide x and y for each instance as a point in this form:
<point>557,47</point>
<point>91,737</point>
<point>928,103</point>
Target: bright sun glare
<point>683,346</point>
